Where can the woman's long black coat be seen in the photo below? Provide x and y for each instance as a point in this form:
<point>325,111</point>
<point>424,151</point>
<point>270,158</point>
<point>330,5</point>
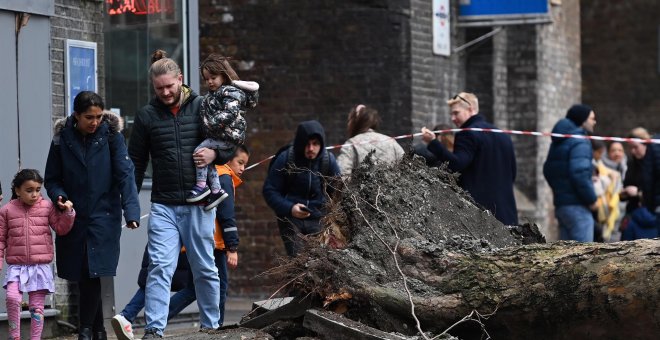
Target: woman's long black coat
<point>96,174</point>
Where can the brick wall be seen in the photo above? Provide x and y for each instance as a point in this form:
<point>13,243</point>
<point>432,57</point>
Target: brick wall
<point>521,102</point>
<point>479,65</point>
<point>314,60</point>
<point>434,78</point>
<point>79,20</point>
<point>620,62</point>
<point>536,72</point>
<point>559,86</point>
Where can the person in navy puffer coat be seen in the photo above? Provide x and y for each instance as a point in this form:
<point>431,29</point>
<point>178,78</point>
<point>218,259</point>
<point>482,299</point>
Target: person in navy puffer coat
<point>568,170</point>
<point>642,224</point>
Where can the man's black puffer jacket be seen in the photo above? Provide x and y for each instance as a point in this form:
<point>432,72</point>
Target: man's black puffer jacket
<point>170,141</point>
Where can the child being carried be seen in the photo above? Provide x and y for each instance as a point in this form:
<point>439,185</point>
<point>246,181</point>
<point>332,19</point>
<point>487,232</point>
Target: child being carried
<point>222,112</point>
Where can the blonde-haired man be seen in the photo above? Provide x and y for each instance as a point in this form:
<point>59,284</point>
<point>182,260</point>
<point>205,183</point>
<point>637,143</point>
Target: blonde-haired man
<point>485,160</point>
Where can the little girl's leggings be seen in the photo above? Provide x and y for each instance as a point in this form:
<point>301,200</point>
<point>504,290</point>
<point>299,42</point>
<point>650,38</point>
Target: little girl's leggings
<point>36,304</point>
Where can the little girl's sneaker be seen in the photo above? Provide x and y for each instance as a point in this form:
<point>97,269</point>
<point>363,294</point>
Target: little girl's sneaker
<point>197,194</point>
<point>215,199</point>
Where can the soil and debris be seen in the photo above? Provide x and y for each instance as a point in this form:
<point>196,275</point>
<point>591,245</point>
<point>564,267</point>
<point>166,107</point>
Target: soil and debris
<point>408,209</point>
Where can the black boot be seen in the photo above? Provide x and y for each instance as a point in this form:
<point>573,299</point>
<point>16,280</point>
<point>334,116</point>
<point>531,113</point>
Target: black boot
<point>85,333</point>
<point>102,335</point>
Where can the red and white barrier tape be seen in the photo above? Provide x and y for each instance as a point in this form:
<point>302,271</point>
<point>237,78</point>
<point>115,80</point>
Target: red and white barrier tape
<point>511,132</point>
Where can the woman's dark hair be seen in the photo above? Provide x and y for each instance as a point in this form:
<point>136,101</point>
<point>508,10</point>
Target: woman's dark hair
<point>22,177</point>
<point>86,99</point>
<point>609,144</point>
<point>216,64</point>
<point>597,144</point>
<point>362,118</point>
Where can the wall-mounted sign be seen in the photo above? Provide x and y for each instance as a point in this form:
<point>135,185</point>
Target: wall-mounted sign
<point>139,7</point>
<point>81,69</point>
<point>441,25</point>
<point>502,12</point>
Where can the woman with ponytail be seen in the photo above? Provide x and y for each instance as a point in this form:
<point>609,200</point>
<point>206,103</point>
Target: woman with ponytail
<point>363,139</point>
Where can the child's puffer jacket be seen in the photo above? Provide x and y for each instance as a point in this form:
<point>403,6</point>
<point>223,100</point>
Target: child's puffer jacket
<point>25,236</point>
<point>223,111</point>
<point>222,114</point>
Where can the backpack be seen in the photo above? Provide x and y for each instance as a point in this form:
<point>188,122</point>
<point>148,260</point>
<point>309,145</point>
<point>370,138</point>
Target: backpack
<point>291,159</point>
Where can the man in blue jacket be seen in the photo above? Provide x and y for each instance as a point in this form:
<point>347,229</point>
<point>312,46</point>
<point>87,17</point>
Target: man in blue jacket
<point>298,197</point>
<point>568,170</point>
<point>486,161</point>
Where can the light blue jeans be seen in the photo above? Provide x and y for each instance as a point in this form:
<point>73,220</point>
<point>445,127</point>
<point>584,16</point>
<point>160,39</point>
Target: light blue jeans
<point>182,299</point>
<point>178,302</point>
<point>186,296</point>
<point>169,227</point>
<point>576,222</point>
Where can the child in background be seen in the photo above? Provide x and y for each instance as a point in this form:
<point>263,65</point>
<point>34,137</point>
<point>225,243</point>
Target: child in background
<point>222,112</point>
<point>29,249</point>
<point>607,185</point>
<point>226,230</point>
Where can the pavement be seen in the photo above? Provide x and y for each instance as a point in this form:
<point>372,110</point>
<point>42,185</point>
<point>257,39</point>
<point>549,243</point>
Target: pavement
<point>187,326</point>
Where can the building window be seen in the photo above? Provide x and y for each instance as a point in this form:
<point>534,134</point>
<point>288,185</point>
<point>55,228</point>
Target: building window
<point>134,29</point>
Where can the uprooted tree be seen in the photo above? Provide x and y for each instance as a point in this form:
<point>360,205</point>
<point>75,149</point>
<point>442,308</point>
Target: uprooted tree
<point>406,250</point>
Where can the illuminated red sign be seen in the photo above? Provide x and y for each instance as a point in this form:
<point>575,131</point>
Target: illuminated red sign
<point>139,7</point>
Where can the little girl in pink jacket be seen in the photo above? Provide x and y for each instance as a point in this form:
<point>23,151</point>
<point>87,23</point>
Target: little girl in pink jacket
<point>27,245</point>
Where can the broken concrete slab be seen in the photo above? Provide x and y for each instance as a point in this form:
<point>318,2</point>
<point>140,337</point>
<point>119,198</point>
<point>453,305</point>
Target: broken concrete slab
<point>329,325</point>
<point>294,309</point>
<point>263,306</point>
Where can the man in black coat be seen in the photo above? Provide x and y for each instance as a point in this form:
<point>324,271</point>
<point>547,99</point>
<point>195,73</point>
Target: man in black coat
<point>167,131</point>
<point>485,160</point>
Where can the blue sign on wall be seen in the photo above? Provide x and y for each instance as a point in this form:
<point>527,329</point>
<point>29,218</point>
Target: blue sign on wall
<point>80,69</point>
<point>504,9</point>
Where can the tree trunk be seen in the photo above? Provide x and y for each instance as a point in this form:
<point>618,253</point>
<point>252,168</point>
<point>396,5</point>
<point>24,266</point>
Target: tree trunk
<point>457,258</point>
<point>545,291</point>
<point>561,290</point>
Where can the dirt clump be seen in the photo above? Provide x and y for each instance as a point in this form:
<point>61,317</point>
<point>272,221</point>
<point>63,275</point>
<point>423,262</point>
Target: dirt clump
<point>390,222</point>
<point>407,252</point>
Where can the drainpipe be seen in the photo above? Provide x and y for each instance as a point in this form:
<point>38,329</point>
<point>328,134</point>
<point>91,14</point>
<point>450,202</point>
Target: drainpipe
<point>21,21</point>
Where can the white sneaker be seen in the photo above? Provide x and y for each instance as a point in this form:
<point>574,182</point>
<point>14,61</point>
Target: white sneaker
<point>123,329</point>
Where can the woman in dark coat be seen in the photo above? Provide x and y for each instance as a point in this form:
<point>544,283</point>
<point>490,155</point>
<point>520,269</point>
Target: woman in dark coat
<point>88,164</point>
